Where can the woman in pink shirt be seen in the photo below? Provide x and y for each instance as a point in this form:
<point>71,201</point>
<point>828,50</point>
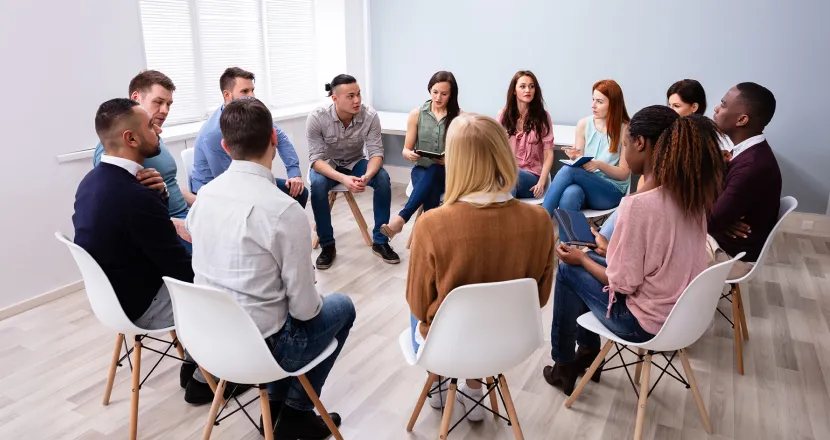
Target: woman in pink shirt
<point>657,248</point>
<point>530,133</point>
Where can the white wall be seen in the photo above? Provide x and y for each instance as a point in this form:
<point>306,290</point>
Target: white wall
<point>60,61</point>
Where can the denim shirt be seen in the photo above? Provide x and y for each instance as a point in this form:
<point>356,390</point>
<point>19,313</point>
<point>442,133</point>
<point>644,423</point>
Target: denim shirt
<point>210,159</point>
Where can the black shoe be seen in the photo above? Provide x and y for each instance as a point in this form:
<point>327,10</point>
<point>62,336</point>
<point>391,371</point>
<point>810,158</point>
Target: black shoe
<point>307,425</point>
<point>584,358</point>
<point>385,251</point>
<point>186,372</point>
<point>326,258</point>
<point>198,393</point>
<point>562,376</point>
<point>276,408</point>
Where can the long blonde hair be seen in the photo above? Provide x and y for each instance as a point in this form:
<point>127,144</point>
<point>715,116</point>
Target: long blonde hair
<point>478,158</point>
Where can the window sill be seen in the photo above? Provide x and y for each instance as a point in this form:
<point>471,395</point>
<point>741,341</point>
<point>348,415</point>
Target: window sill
<point>189,130</point>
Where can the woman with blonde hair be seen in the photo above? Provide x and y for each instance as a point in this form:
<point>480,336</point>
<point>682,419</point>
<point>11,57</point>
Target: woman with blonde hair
<point>480,235</point>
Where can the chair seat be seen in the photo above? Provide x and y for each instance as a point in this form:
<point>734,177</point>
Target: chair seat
<point>594,213</point>
<point>532,201</point>
<point>589,322</point>
<point>405,341</point>
<point>339,188</point>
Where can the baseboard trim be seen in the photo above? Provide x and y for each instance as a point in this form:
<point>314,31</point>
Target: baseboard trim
<point>398,174</point>
<point>28,304</point>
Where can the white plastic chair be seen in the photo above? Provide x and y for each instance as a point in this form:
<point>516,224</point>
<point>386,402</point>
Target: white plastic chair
<point>593,214</point>
<point>688,320</point>
<point>187,160</point>
<point>358,216</point>
<point>787,205</point>
<point>533,200</point>
<point>479,331</point>
<point>409,189</point>
<point>224,339</point>
<point>108,310</point>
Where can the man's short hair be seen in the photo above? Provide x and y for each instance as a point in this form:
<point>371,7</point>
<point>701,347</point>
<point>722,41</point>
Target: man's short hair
<point>144,81</point>
<point>247,127</point>
<point>110,112</point>
<point>759,101</point>
<point>229,76</point>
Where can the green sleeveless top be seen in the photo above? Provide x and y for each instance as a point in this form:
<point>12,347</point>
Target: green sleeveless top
<point>430,134</point>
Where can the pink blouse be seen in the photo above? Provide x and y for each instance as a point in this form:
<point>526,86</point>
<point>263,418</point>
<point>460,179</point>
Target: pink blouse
<point>529,149</point>
<point>655,252</point>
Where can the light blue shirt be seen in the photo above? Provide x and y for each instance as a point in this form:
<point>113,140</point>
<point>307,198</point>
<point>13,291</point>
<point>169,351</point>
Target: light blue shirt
<point>210,159</point>
<point>597,146</point>
<point>166,166</point>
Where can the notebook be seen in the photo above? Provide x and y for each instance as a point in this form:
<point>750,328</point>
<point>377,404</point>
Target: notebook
<point>577,163</point>
<point>429,154</point>
<point>575,227</point>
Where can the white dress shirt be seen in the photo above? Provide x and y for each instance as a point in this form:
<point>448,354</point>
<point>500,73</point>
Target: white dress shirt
<point>745,145</point>
<point>127,164</point>
<point>252,240</point>
<point>483,198</point>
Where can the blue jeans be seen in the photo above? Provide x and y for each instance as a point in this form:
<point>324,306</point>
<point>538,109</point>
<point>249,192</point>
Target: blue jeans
<point>573,188</point>
<point>427,187</point>
<point>607,229</point>
<point>382,201</point>
<point>526,181</point>
<point>187,245</point>
<point>299,342</point>
<point>577,292</point>
<point>302,198</point>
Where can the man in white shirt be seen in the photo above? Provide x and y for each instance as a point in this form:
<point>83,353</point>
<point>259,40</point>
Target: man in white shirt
<point>253,241</point>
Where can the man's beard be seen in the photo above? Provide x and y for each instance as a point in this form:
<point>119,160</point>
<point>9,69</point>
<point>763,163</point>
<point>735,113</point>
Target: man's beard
<point>154,150</point>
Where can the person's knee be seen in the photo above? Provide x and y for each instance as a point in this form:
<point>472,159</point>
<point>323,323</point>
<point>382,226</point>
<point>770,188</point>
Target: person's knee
<point>344,307</point>
<point>319,185</point>
<point>572,198</point>
<point>381,180</point>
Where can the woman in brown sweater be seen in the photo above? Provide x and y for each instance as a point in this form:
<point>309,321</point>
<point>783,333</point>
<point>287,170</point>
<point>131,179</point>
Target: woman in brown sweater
<point>481,234</point>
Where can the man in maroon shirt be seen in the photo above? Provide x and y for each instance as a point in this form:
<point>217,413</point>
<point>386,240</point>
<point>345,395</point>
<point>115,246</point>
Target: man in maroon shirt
<point>747,209</point>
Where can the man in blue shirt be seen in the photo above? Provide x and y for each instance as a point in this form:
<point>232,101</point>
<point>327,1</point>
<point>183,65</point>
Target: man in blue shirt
<point>153,90</point>
<point>211,160</point>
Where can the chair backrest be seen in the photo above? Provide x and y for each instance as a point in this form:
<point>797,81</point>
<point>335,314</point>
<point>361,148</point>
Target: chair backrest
<point>694,310</point>
<point>187,160</point>
<point>482,330</point>
<point>99,291</point>
<point>787,205</point>
<point>220,335</point>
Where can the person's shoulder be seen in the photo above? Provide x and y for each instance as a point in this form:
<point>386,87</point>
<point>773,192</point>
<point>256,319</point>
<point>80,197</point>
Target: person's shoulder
<point>534,214</point>
<point>367,111</point>
<point>582,123</point>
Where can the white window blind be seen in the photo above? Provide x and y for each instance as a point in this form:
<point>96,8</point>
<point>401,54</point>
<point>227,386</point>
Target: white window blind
<point>194,41</point>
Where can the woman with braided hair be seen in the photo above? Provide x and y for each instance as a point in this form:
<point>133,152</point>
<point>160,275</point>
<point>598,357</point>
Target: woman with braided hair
<point>658,248</point>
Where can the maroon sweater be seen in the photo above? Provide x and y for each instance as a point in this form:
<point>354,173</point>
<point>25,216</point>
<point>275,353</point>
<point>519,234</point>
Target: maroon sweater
<point>752,190</point>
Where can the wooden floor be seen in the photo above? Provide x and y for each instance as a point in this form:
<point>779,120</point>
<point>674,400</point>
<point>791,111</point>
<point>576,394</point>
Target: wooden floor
<point>54,359</point>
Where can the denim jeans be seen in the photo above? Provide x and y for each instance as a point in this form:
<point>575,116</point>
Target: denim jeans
<point>382,201</point>
<point>607,229</point>
<point>427,187</point>
<point>299,342</point>
<point>578,292</point>
<point>413,327</point>
<point>301,198</point>
<point>187,245</point>
<point>573,188</point>
<point>526,181</point>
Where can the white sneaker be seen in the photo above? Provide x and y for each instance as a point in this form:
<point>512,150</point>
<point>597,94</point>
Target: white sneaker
<point>477,414</point>
<point>438,400</point>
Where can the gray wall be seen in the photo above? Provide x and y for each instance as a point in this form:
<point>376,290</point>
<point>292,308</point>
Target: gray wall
<point>644,45</point>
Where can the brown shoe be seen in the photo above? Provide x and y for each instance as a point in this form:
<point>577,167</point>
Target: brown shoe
<point>562,376</point>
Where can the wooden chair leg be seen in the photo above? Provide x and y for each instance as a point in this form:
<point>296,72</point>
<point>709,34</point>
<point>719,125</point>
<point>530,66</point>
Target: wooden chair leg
<point>136,386</point>
<point>212,384</point>
<point>641,404</point>
<point>687,368</point>
<point>639,368</point>
<point>741,310</point>
<point>116,354</point>
<point>420,404</point>
<point>736,323</point>
<point>445,420</point>
<point>267,423</point>
<point>494,402</point>
<point>511,408</point>
<point>358,216</point>
<point>316,243</point>
<point>179,346</point>
<point>319,405</point>
<point>587,376</point>
<point>214,409</point>
<point>412,233</point>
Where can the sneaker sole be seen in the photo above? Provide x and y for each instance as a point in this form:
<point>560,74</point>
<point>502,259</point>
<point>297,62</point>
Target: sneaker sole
<point>385,260</point>
<point>323,267</point>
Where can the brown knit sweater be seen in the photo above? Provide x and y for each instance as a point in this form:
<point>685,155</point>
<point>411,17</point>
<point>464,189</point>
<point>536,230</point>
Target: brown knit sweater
<point>461,244</point>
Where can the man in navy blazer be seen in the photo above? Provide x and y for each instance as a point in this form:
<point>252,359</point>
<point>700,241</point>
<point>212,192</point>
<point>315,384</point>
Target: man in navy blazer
<point>126,227</point>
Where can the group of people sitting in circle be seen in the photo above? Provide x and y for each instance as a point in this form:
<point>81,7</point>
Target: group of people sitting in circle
<point>698,202</point>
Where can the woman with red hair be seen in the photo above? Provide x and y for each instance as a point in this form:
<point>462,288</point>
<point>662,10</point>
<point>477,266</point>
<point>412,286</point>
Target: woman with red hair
<point>602,182</point>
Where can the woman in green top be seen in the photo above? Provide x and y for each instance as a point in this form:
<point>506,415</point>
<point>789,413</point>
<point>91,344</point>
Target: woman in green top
<point>426,130</point>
